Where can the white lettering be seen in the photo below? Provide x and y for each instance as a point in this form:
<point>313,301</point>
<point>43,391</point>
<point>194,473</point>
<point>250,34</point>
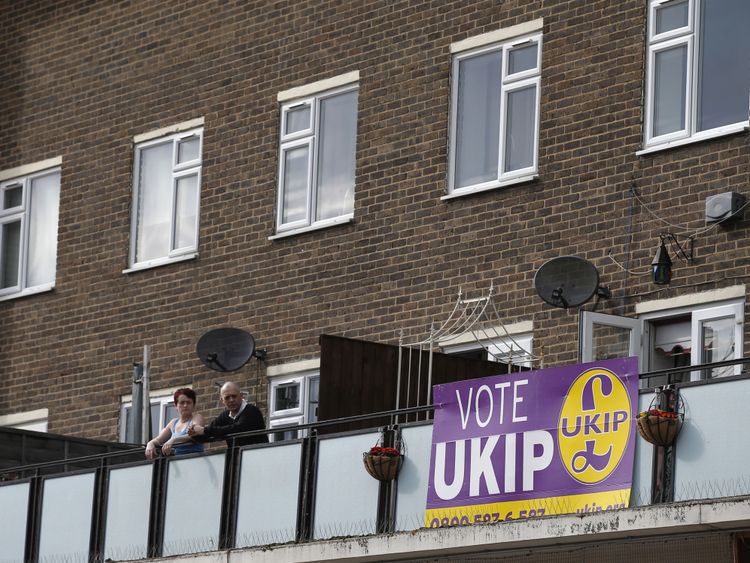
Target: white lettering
<point>481,466</point>
<point>464,414</point>
<point>449,491</point>
<point>510,463</point>
<point>502,386</point>
<point>488,391</point>
<point>531,463</point>
<point>517,399</point>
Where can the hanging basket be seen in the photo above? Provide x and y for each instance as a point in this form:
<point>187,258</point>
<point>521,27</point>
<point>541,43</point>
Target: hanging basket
<point>659,427</point>
<point>382,466</point>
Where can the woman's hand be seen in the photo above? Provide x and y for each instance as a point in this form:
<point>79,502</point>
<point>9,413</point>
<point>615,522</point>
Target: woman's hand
<point>166,449</point>
<point>150,450</point>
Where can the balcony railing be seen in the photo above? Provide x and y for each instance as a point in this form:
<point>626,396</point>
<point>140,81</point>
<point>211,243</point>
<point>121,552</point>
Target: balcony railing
<point>307,489</point>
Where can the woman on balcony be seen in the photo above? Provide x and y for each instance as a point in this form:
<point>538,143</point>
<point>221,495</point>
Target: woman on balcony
<point>174,439</point>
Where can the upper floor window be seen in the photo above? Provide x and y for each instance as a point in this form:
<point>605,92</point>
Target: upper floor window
<point>698,69</point>
<point>28,232</point>
<point>495,114</point>
<point>317,159</point>
<point>166,193</point>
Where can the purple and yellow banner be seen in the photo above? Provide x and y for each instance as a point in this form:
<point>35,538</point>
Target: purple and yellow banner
<point>533,443</point>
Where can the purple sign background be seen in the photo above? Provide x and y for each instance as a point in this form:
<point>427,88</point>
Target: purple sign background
<point>542,399</point>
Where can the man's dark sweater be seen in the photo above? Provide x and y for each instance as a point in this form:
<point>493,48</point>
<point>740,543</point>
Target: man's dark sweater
<point>249,419</point>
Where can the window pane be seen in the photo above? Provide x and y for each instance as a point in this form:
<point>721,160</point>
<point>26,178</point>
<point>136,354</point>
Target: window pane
<point>520,125</point>
<point>280,436</point>
<point>337,155</point>
<point>186,207</point>
<point>522,58</point>
<point>312,399</point>
<point>670,76</point>
<point>129,438</point>
<point>295,185</point>
<point>12,197</point>
<point>297,119</point>
<point>717,344</point>
<point>724,77</point>
<point>188,149</point>
<point>43,212</point>
<point>477,120</point>
<point>9,254</point>
<point>671,16</point>
<point>610,342</point>
<point>170,412</point>
<point>156,424</point>
<point>154,203</point>
<point>287,397</point>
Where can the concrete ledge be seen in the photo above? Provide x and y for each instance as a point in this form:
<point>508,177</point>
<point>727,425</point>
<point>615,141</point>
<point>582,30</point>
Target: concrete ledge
<point>642,522</point>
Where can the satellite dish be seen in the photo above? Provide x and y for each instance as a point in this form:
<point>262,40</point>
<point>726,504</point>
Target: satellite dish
<point>227,349</point>
<point>568,281</point>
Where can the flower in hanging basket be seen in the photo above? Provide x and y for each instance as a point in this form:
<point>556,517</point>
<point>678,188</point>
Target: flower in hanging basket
<point>382,463</point>
<point>659,427</point>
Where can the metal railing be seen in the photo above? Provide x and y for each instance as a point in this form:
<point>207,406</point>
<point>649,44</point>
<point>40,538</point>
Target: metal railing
<point>390,424</point>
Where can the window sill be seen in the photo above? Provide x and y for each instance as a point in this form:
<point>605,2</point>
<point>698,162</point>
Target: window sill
<point>343,220</point>
<point>28,291</point>
<point>486,188</point>
<point>697,138</point>
<point>160,262</point>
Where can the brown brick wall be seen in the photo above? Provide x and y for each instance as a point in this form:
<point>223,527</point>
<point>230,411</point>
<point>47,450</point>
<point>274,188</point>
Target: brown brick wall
<point>80,78</point>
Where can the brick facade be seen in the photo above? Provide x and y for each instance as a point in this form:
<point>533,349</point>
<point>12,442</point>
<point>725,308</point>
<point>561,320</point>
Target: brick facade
<point>81,78</point>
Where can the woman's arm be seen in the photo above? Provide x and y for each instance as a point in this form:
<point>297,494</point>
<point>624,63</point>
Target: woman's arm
<point>175,440</point>
<point>158,441</point>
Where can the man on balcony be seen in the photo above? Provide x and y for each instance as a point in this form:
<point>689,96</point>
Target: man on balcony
<point>240,416</point>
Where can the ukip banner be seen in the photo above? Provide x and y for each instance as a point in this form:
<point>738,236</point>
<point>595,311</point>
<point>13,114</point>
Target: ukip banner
<point>533,443</point>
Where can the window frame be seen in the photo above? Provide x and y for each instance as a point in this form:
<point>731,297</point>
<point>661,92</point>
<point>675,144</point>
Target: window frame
<point>508,83</point>
<point>688,35</point>
<point>499,348</point>
<point>162,397</point>
<point>288,418</point>
<point>178,170</point>
<point>21,213</point>
<point>308,137</point>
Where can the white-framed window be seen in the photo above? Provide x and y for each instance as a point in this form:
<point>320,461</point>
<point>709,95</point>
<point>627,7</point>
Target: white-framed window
<point>494,130</point>
<point>162,411</point>
<point>166,196</point>
<point>687,331</point>
<point>317,156</point>
<point>29,420</point>
<point>292,400</point>
<point>513,351</point>
<point>29,208</point>
<point>691,336</point>
<point>698,83</point>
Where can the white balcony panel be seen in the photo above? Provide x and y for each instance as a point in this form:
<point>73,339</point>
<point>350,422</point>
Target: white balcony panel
<point>193,509</point>
<point>712,453</point>
<point>67,504</point>
<point>268,493</point>
<point>346,497</point>
<point>14,500</point>
<point>128,502</point>
<point>413,478</point>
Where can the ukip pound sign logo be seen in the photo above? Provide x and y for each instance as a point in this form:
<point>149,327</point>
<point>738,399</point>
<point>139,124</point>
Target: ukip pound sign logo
<point>594,426</point>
